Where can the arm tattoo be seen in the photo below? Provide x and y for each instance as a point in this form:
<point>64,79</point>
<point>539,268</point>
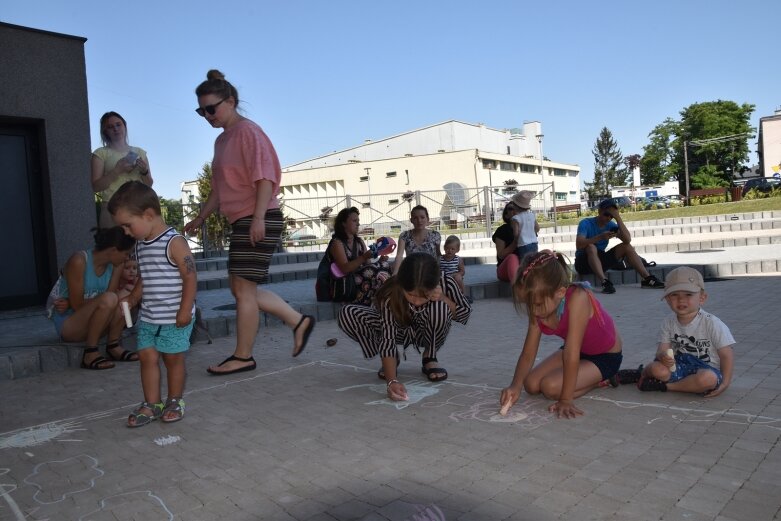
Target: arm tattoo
<point>189,264</point>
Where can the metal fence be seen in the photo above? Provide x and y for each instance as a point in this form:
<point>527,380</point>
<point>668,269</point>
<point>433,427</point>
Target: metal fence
<point>454,208</point>
<point>310,220</point>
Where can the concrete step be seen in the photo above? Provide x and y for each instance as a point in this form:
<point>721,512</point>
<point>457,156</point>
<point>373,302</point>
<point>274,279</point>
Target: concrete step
<point>645,246</point>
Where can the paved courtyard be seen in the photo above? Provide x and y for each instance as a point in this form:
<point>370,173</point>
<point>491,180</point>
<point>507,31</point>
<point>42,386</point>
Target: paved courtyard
<point>313,438</point>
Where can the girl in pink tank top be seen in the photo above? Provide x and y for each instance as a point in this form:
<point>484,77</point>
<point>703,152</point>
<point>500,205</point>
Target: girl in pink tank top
<point>555,306</point>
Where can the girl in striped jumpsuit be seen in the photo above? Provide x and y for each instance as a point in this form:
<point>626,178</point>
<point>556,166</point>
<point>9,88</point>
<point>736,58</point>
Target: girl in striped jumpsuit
<point>414,307</point>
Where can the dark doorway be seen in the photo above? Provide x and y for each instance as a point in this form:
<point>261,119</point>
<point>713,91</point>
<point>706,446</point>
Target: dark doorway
<point>24,265</point>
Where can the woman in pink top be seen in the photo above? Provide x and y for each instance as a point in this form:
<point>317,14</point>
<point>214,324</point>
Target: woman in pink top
<point>245,185</point>
<point>592,347</point>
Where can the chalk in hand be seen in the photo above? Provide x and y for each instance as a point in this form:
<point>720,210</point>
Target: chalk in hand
<point>671,354</point>
<point>505,408</point>
<point>126,311</point>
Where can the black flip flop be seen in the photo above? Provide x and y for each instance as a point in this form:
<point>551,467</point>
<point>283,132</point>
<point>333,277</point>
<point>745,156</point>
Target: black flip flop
<point>234,371</point>
<point>307,332</point>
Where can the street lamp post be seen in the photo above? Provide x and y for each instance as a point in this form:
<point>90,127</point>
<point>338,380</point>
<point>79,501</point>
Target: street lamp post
<point>368,185</point>
<point>490,193</point>
<point>539,140</point>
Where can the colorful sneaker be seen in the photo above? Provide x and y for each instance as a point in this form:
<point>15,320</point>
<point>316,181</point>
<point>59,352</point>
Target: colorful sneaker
<point>651,282</point>
<point>629,376</point>
<point>607,287</point>
<point>651,384</point>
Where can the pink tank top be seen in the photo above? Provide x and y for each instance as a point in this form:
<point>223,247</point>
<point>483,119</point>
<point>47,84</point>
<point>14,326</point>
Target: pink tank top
<point>600,335</point>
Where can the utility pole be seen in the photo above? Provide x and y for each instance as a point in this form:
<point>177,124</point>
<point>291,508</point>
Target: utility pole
<point>686,170</point>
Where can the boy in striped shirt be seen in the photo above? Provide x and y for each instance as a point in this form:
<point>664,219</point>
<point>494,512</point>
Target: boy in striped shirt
<point>166,292</point>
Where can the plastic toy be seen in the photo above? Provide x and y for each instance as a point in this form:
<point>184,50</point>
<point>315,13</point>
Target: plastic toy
<point>382,246</point>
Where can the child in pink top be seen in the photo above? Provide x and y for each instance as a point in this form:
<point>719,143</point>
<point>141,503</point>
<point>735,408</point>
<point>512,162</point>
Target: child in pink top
<point>592,345</point>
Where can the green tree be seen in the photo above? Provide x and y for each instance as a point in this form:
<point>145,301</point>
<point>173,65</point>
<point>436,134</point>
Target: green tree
<point>715,122</point>
<point>173,215</point>
<point>609,167</point>
<point>658,163</point>
<point>708,177</point>
<point>217,227</point>
<point>717,134</point>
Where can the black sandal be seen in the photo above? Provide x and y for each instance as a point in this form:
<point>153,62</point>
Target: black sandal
<point>95,365</point>
<point>231,358</point>
<point>434,370</point>
<point>125,356</point>
<point>307,332</point>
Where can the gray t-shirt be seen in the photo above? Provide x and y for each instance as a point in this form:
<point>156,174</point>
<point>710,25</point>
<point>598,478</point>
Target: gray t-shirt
<point>702,337</point>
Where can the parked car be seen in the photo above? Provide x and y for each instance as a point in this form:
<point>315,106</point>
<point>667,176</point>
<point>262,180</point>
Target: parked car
<point>621,202</point>
<point>658,201</point>
<point>676,200</point>
<point>653,202</point>
<point>761,184</point>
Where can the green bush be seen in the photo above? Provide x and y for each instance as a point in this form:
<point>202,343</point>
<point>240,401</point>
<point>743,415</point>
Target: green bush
<point>757,194</point>
<point>710,199</point>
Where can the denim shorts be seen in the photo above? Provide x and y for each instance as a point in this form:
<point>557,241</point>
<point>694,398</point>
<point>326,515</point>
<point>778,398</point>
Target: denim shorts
<point>59,319</point>
<point>166,338</point>
<point>687,364</point>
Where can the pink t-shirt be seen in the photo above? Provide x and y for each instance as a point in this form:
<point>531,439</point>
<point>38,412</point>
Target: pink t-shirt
<point>600,334</point>
<point>243,155</point>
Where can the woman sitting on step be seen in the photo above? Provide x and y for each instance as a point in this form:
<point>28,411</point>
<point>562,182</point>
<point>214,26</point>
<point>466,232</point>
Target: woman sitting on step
<point>84,304</point>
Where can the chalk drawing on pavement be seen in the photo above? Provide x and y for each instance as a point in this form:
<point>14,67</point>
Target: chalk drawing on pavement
<point>38,435</point>
<point>126,502</point>
<point>483,405</point>
<point>682,414</point>
<point>167,440</point>
<point>417,390</point>
<point>5,492</point>
<point>56,480</point>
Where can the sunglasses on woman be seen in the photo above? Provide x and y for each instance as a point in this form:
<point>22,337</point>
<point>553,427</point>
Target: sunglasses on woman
<point>209,109</point>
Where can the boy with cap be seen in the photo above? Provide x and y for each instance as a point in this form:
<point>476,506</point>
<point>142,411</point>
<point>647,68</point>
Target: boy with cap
<point>592,239</point>
<point>695,347</point>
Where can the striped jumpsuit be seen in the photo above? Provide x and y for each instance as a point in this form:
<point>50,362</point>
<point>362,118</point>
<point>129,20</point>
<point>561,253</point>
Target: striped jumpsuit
<point>378,333</point>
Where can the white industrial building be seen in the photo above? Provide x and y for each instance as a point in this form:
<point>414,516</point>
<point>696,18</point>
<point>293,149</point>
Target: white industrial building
<point>446,167</point>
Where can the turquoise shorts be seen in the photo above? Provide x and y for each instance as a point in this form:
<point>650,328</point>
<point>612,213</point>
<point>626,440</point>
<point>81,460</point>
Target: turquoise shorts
<point>166,338</point>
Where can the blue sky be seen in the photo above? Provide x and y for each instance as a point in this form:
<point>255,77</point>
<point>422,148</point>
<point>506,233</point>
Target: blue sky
<point>322,76</point>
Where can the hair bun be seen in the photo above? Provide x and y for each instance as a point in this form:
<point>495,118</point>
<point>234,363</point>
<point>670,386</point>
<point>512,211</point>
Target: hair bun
<point>214,74</point>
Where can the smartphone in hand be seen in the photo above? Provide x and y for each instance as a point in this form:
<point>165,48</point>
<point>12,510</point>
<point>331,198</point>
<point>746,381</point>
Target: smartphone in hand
<point>131,158</point>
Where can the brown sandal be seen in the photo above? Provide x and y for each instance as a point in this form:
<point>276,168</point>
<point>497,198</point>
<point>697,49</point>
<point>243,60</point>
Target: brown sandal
<point>98,364</point>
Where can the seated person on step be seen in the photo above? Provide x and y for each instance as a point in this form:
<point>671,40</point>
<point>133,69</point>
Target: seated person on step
<point>592,239</point>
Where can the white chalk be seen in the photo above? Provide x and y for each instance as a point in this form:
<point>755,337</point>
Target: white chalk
<point>671,354</point>
<point>126,311</point>
<point>505,409</point>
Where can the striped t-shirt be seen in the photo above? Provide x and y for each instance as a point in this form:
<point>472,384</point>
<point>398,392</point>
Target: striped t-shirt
<point>449,266</point>
<point>162,293</point>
